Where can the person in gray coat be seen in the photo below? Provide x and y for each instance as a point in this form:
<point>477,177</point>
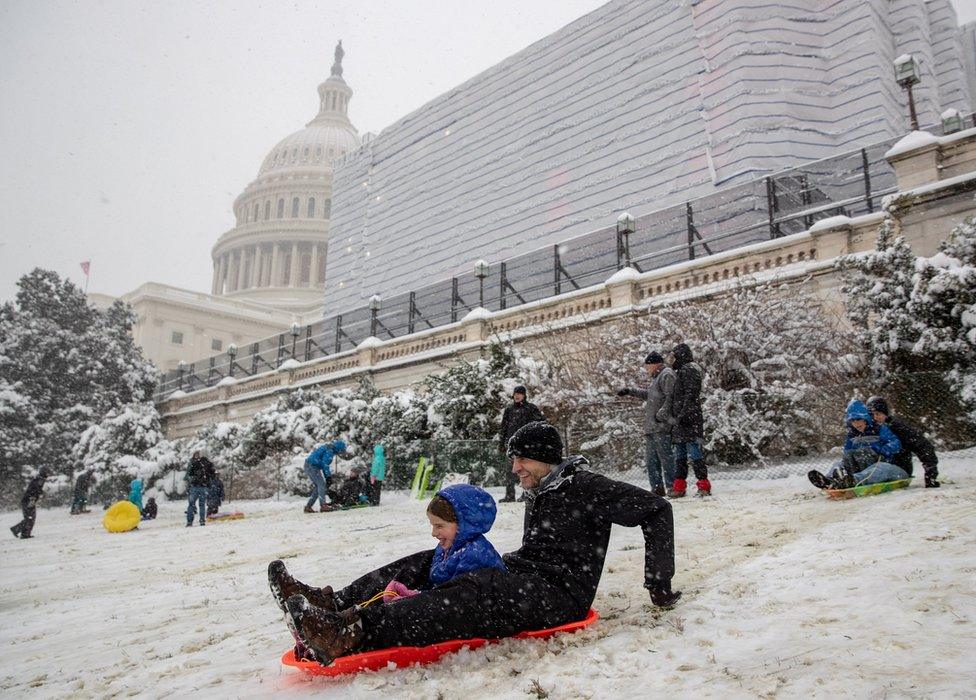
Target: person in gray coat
<point>658,454</point>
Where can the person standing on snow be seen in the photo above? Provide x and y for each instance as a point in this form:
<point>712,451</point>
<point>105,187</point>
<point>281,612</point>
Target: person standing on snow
<point>518,413</point>
<point>28,505</point>
<point>215,494</point>
<point>199,476</point>
<point>79,501</point>
<point>688,423</point>
<point>377,474</point>
<point>551,580</point>
<point>135,494</point>
<point>912,439</point>
<point>318,468</point>
<point>658,454</point>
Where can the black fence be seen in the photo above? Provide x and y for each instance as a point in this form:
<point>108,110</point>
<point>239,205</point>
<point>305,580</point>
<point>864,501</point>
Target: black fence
<point>781,204</point>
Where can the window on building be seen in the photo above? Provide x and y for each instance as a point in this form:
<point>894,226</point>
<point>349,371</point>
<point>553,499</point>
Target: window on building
<point>281,208</point>
<point>327,208</point>
<point>311,207</point>
<point>176,338</point>
<point>257,210</point>
<point>295,204</point>
<point>318,152</point>
<point>267,210</point>
<point>216,345</point>
<point>305,154</point>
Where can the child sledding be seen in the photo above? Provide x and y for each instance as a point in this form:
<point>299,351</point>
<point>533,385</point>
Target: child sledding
<point>869,452</point>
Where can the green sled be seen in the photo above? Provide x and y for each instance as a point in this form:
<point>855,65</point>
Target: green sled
<point>868,490</point>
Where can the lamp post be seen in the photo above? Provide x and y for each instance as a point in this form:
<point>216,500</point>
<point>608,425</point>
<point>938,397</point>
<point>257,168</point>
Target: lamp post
<point>181,368</point>
<point>294,338</point>
<point>375,302</point>
<point>625,227</point>
<point>906,75</point>
<point>232,353</point>
<point>951,121</point>
<point>481,271</point>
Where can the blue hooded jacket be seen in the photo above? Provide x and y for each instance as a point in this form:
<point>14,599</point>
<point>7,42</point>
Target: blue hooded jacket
<point>877,437</point>
<point>135,493</point>
<point>475,510</point>
<point>322,456</point>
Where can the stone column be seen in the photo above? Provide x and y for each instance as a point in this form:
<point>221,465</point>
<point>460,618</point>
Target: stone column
<point>275,280</point>
<point>313,271</point>
<point>231,272</point>
<point>293,271</point>
<point>240,270</point>
<point>256,267</point>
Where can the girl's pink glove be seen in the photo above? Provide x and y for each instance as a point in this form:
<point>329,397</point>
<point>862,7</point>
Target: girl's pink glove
<point>400,590</point>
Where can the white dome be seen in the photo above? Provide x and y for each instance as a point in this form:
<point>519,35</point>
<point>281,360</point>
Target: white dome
<point>316,145</point>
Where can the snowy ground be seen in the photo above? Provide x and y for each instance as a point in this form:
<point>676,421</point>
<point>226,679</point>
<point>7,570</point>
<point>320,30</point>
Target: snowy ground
<point>786,594</point>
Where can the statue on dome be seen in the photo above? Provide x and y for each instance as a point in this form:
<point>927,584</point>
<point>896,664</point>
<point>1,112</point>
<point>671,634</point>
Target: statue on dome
<point>337,66</point>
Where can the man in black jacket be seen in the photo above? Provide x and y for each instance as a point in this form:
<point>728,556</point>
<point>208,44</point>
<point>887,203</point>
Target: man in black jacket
<point>551,580</point>
<point>79,502</point>
<point>516,414</point>
<point>28,505</point>
<point>689,424</point>
<point>199,475</point>
<point>912,439</point>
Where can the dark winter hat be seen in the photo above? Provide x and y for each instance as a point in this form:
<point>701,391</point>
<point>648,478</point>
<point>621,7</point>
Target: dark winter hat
<point>682,353</point>
<point>537,440</point>
<point>519,390</point>
<point>653,358</point>
<point>879,404</point>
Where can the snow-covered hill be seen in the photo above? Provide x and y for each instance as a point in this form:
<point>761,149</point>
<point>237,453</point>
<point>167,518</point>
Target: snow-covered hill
<point>785,594</point>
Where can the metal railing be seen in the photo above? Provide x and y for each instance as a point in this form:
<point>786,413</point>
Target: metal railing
<point>778,205</point>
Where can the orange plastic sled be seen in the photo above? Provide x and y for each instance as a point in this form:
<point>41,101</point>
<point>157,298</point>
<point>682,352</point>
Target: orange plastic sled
<point>402,657</point>
<point>217,517</point>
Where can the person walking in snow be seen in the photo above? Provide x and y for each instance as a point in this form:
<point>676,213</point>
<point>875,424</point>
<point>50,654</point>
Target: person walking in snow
<point>869,450</point>
<point>912,439</point>
<point>28,505</point>
<point>658,454</point>
<point>551,580</point>
<point>79,501</point>
<point>199,476</point>
<point>135,493</point>
<point>515,415</point>
<point>688,427</point>
<point>318,468</point>
<point>377,474</point>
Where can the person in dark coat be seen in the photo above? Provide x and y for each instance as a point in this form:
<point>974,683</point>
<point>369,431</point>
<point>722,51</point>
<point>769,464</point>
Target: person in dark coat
<point>79,501</point>
<point>912,439</point>
<point>658,450</point>
<point>515,415</point>
<point>199,476</point>
<point>551,580</point>
<point>28,505</point>
<point>689,424</point>
<point>215,494</point>
<point>869,452</point>
<point>151,510</point>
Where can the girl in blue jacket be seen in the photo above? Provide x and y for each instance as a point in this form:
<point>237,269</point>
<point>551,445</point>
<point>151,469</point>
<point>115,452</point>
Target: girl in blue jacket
<point>459,516</point>
<point>377,474</point>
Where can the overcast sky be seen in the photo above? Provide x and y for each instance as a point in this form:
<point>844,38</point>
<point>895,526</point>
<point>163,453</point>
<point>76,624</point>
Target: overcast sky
<point>128,128</point>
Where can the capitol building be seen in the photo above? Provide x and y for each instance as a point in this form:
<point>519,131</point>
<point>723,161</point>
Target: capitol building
<point>269,269</point>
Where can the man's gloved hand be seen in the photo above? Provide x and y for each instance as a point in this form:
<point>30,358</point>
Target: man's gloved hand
<point>623,392</point>
<point>932,481</point>
<point>663,597</point>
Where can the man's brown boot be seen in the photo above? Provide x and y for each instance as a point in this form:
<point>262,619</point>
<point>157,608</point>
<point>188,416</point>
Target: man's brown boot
<point>327,635</point>
<point>284,585</point>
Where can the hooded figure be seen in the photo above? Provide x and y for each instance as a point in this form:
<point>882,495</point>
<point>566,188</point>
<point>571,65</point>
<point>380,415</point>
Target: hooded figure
<point>377,474</point>
<point>135,493</point>
<point>475,510</point>
<point>318,468</point>
<point>688,424</point>
<point>877,438</point>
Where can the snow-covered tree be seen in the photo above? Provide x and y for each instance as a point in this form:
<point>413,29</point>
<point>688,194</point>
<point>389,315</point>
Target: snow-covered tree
<point>942,308</point>
<point>63,366</point>
<point>118,448</point>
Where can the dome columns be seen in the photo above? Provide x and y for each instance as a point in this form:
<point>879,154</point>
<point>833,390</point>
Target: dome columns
<point>275,265</point>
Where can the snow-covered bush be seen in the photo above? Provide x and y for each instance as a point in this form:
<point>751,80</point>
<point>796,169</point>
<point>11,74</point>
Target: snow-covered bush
<point>118,448</point>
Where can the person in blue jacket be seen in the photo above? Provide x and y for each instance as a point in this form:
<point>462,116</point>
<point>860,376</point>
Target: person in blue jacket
<point>318,467</point>
<point>135,493</point>
<point>377,474</point>
<point>869,450</point>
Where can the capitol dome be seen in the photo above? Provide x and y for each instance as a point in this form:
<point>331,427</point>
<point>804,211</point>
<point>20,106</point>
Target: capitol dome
<point>276,252</point>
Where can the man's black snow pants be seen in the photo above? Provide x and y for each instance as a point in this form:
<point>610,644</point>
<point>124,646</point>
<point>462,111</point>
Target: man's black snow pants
<point>25,526</point>
<point>487,603</point>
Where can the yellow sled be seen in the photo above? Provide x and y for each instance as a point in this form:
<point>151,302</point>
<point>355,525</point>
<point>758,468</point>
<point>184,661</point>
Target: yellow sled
<point>868,490</point>
<point>122,517</point>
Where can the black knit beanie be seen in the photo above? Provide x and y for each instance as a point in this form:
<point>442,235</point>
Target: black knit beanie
<point>537,440</point>
<point>879,404</point>
<point>653,357</point>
